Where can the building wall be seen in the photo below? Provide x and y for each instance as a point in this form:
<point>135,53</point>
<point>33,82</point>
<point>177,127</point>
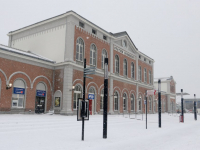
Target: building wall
<point>89,39</point>
<point>32,75</point>
<point>49,43</point>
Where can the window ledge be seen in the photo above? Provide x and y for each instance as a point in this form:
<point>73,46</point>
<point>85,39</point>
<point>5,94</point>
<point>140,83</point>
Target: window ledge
<point>18,109</point>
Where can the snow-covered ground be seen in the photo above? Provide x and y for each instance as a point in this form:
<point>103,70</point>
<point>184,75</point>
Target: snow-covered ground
<point>57,132</point>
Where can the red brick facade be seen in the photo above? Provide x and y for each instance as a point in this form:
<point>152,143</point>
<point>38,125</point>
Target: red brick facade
<point>9,67</point>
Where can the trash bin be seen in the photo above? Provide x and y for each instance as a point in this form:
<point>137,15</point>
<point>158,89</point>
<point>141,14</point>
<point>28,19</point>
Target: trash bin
<point>181,118</point>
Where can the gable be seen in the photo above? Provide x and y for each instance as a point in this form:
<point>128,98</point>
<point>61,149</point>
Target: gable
<point>120,42</point>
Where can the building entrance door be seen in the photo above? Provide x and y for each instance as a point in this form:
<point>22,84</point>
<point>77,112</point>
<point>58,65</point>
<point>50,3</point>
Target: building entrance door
<point>40,104</point>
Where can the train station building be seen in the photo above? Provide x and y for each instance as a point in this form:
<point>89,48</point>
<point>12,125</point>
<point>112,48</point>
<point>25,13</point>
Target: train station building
<point>43,64</point>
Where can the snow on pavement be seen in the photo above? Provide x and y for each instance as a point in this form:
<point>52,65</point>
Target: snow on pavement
<point>50,132</point>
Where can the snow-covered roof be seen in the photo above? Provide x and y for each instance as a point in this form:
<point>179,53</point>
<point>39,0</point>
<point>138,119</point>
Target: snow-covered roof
<point>25,53</point>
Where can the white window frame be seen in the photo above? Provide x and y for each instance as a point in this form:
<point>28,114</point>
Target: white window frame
<point>93,58</point>
<point>18,95</point>
<point>78,47</point>
<point>117,97</point>
<point>132,70</point>
<point>140,73</point>
<point>150,81</point>
<point>125,99</point>
<point>77,92</point>
<point>117,64</point>
<point>125,67</point>
<point>145,75</point>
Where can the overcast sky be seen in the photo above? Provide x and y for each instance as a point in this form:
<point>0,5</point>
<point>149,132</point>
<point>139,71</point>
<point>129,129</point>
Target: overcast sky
<point>166,30</point>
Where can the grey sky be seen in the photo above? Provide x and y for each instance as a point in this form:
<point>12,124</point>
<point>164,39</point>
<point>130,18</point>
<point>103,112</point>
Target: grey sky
<point>168,31</point>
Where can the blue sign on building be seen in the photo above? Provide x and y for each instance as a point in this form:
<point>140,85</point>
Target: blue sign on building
<point>41,93</point>
<point>18,91</point>
<point>91,96</point>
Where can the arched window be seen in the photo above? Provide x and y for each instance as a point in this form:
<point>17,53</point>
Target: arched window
<point>101,100</point>
<point>116,64</point>
<point>125,67</point>
<point>132,102</point>
<point>79,49</point>
<point>150,103</point>
<point>145,75</point>
<point>93,50</point>
<point>132,70</point>
<point>103,56</point>
<point>124,102</point>
<point>139,102</point>
<point>18,96</point>
<point>77,94</point>
<point>116,99</point>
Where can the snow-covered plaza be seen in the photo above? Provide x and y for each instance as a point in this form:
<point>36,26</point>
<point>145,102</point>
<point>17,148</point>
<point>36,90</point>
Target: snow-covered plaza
<point>57,132</point>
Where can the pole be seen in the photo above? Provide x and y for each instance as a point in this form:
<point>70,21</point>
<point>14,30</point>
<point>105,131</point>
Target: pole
<point>83,105</point>
<point>105,103</point>
<point>146,109</point>
<point>182,113</point>
<point>159,103</point>
<point>195,108</point>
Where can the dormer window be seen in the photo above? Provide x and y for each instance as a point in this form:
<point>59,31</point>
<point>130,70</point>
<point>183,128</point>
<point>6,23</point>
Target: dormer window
<point>124,43</point>
<point>81,24</point>
<point>94,31</point>
<point>105,37</point>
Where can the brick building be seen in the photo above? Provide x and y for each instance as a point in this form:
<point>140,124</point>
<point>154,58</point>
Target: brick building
<point>50,63</point>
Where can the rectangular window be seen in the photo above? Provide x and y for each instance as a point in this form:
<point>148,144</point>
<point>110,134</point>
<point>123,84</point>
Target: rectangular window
<point>139,56</point>
<point>150,82</point>
<point>132,71</point>
<point>17,100</point>
<point>144,59</point>
<point>145,75</point>
<point>94,31</point>
<point>139,73</point>
<point>132,104</point>
<point>105,37</point>
<point>81,24</point>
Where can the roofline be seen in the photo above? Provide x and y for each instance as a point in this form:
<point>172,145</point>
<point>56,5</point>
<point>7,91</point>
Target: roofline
<point>53,62</point>
<point>56,18</point>
<point>110,34</point>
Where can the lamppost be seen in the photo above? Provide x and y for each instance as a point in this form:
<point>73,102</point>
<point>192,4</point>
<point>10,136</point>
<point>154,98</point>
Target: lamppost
<point>182,110</point>
<point>159,97</point>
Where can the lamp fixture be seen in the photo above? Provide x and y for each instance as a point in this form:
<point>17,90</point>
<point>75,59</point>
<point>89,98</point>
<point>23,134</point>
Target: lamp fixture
<point>9,86</point>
